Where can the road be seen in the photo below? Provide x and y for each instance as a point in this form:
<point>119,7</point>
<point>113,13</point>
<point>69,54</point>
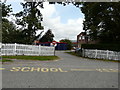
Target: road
<point>67,72</point>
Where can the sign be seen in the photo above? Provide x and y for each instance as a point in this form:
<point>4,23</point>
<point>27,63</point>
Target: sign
<point>54,43</point>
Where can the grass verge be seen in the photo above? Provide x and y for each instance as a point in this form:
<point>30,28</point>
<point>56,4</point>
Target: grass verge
<point>73,53</point>
<point>41,58</point>
<point>6,60</point>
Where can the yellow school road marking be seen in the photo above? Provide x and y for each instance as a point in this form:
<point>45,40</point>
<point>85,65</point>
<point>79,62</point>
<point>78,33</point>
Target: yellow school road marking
<point>36,69</point>
<point>44,69</point>
<point>2,68</point>
<point>99,70</point>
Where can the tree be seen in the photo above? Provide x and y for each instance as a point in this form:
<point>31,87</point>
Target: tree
<point>6,9</point>
<point>102,21</point>
<point>30,19</point>
<point>47,37</point>
<point>69,43</point>
<point>10,33</point>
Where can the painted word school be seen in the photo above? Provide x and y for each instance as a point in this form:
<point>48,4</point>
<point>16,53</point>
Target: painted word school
<point>38,69</point>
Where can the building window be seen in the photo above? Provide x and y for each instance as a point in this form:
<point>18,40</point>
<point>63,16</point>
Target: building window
<point>83,37</point>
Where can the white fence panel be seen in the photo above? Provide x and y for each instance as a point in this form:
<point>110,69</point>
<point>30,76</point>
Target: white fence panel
<point>47,51</point>
<point>32,50</point>
<point>8,49</point>
<point>101,54</point>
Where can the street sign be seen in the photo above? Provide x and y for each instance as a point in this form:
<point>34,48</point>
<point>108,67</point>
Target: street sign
<point>54,43</point>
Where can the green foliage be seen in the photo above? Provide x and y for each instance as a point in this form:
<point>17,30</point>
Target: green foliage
<point>10,34</point>
<point>102,21</point>
<point>41,58</point>
<point>112,47</point>
<point>6,60</point>
<point>69,43</point>
<point>48,37</point>
<point>6,9</point>
<point>30,18</point>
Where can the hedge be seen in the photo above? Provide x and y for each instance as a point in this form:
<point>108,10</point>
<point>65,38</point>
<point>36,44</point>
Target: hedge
<point>112,47</point>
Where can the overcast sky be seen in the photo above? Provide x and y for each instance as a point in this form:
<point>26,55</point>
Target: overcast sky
<point>65,21</point>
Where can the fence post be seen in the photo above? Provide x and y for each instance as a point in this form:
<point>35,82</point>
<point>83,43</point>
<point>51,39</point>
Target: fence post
<point>39,50</point>
<point>0,49</point>
<point>54,50</point>
<point>15,50</point>
<point>107,54</point>
<point>83,52</point>
<point>96,53</point>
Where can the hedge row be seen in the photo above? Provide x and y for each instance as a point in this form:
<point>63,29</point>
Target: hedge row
<point>112,47</point>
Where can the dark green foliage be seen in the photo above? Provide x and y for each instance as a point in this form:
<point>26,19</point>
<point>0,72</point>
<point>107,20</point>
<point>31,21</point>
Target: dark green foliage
<point>31,18</point>
<point>113,47</point>
<point>6,9</point>
<point>69,43</point>
<point>102,21</point>
<point>41,58</point>
<point>48,37</point>
<point>10,34</point>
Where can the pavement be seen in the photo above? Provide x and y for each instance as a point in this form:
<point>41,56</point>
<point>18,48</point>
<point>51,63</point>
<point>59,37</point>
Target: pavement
<point>67,72</point>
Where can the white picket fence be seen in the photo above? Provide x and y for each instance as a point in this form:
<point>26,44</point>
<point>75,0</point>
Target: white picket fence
<point>21,49</point>
<point>101,54</point>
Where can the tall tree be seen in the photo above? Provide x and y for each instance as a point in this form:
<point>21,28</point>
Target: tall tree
<point>6,9</point>
<point>10,33</point>
<point>30,19</point>
<point>102,21</point>
<point>47,37</point>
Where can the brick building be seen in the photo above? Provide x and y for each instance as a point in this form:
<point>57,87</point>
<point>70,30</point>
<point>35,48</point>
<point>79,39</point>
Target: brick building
<point>82,38</point>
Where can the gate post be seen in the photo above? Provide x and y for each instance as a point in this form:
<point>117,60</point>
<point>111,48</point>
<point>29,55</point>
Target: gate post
<point>54,50</point>
<point>15,53</point>
<point>96,53</point>
<point>107,54</point>
<point>39,49</point>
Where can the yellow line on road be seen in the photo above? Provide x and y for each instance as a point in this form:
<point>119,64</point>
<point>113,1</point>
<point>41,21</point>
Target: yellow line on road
<point>82,69</point>
<point>2,68</point>
<point>99,70</point>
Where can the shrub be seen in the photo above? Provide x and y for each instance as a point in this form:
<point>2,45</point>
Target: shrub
<point>112,47</point>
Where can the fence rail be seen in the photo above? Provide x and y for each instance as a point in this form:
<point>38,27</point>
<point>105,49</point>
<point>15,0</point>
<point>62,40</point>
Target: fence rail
<point>101,54</point>
<point>21,49</point>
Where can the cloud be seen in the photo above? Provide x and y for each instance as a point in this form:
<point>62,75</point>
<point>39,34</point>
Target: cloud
<point>52,20</point>
<point>48,10</point>
<point>12,1</point>
<point>68,30</point>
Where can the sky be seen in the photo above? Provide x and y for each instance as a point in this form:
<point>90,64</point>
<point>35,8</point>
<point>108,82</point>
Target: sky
<point>64,21</point>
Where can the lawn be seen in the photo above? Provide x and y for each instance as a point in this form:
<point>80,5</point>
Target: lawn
<point>6,60</point>
<point>22,57</point>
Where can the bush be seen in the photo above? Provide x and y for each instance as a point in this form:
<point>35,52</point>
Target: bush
<point>68,42</point>
<point>112,47</point>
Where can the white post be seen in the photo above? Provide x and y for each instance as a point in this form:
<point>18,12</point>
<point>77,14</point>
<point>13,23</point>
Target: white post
<point>39,50</point>
<point>0,49</point>
<point>83,52</point>
<point>107,54</point>
<point>96,53</point>
<point>15,50</point>
<point>54,50</point>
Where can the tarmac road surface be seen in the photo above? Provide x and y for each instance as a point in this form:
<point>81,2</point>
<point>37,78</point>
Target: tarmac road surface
<point>67,72</point>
